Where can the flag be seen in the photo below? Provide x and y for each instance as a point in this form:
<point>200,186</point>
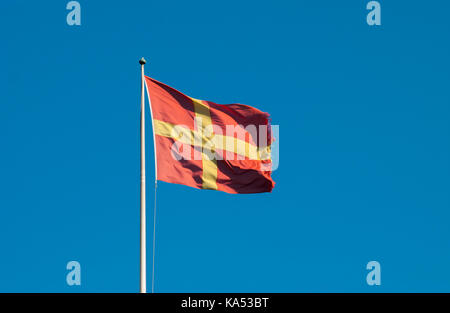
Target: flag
<point>206,145</point>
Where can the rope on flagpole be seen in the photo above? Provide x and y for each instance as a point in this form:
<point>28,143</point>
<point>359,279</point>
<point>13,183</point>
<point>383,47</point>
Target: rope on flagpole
<point>154,240</point>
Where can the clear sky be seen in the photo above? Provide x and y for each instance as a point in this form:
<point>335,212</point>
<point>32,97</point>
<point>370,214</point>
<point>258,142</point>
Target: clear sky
<point>364,171</point>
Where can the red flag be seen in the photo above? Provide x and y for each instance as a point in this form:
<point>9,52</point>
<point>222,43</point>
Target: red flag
<point>210,146</point>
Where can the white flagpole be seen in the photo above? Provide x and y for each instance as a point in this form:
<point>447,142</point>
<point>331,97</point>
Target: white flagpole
<point>156,185</point>
<point>143,282</point>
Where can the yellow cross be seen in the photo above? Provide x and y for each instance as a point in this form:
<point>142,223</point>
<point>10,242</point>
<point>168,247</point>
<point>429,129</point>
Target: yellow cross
<point>205,137</point>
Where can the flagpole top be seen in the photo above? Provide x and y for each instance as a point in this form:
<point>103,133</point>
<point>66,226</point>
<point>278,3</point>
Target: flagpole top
<point>142,61</point>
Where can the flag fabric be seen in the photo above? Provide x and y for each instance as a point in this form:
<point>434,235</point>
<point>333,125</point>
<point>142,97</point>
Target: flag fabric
<point>210,146</point>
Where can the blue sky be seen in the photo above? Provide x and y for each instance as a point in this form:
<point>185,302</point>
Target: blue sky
<point>364,145</point>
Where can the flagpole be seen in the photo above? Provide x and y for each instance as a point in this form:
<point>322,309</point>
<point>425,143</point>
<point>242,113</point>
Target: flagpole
<point>156,185</point>
<point>143,260</point>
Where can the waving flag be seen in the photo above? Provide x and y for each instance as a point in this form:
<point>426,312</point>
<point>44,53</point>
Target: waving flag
<point>207,145</point>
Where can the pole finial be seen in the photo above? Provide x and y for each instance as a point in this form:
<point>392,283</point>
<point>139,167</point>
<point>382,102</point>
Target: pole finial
<point>142,61</point>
